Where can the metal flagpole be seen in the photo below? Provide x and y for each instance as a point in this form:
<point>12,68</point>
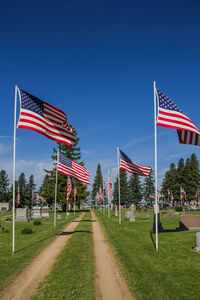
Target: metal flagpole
<point>156,181</point>
<point>108,197</point>
<point>120,219</point>
<point>74,204</point>
<point>14,148</point>
<point>67,202</point>
<point>56,189</point>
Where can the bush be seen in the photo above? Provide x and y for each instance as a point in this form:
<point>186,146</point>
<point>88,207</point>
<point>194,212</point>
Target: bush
<point>178,208</point>
<point>26,230</point>
<point>37,222</point>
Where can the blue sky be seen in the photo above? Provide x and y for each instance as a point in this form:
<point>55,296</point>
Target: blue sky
<point>97,60</point>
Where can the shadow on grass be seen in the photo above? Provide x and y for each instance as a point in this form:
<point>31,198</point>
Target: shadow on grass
<point>72,232</point>
<point>151,234</point>
<point>84,221</point>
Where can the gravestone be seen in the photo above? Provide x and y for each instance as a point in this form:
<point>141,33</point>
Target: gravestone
<point>116,211</point>
<point>59,217</point>
<point>165,215</point>
<point>45,212</point>
<point>4,206</point>
<point>197,241</point>
<point>137,216</point>
<point>22,215</point>
<point>148,215</point>
<point>189,222</point>
<point>127,214</point>
<point>144,210</point>
<point>36,212</point>
<point>132,215</point>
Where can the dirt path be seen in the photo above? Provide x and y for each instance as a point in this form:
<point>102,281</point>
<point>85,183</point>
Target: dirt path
<point>110,284</point>
<point>24,286</point>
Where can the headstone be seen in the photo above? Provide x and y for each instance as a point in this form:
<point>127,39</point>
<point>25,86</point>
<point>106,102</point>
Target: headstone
<point>45,212</point>
<point>36,212</point>
<point>116,211</point>
<point>4,206</point>
<point>59,217</point>
<point>189,222</point>
<point>137,216</point>
<point>22,215</point>
<point>127,214</point>
<point>132,215</point>
<point>148,215</point>
<point>144,210</point>
<point>197,241</point>
<point>165,215</point>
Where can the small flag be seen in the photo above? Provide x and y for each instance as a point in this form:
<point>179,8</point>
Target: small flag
<point>69,188</point>
<point>45,119</point>
<point>18,196</point>
<point>75,192</point>
<point>130,166</point>
<point>71,168</point>
<point>101,194</point>
<point>41,198</point>
<point>104,187</point>
<point>110,188</point>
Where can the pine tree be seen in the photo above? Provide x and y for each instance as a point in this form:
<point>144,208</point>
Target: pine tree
<point>4,183</point>
<point>123,189</point>
<point>149,186</point>
<point>23,190</point>
<point>98,182</point>
<point>135,189</point>
<point>192,174</point>
<point>169,183</point>
<point>30,189</point>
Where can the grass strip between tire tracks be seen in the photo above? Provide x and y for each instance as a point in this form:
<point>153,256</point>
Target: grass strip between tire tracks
<point>72,275</point>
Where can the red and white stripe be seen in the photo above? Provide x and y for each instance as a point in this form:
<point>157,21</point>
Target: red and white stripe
<point>188,137</point>
<point>134,168</point>
<point>76,170</point>
<point>69,188</point>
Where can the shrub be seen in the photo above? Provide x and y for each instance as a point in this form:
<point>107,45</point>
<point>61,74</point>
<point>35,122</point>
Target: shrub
<point>26,230</point>
<point>178,208</point>
<point>37,222</point>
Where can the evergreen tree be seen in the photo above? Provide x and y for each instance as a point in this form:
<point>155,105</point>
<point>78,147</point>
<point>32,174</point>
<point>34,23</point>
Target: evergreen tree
<point>123,188</point>
<point>98,182</point>
<point>47,189</point>
<point>4,183</point>
<point>192,174</point>
<point>135,189</point>
<point>30,189</point>
<point>23,190</point>
<point>169,183</point>
<point>149,186</point>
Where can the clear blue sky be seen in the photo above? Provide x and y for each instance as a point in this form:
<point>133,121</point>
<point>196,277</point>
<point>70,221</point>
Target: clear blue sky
<point>97,60</point>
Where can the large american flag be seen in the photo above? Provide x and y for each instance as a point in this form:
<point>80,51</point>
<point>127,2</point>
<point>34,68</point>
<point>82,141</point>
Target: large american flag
<point>130,166</point>
<point>171,116</point>
<point>45,119</point>
<point>110,188</point>
<point>69,188</point>
<point>71,168</point>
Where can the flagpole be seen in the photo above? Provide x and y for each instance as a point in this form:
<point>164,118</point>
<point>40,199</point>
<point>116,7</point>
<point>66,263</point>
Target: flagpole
<point>14,150</point>
<point>74,204</point>
<point>108,197</point>
<point>119,185</point>
<point>56,189</point>
<point>156,181</point>
<point>67,202</point>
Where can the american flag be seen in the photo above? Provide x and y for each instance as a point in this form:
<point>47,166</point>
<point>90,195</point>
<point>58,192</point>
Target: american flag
<point>75,192</point>
<point>71,168</point>
<point>130,166</point>
<point>69,188</point>
<point>110,188</point>
<point>183,194</point>
<point>104,187</point>
<point>188,137</point>
<point>45,119</point>
<point>101,194</point>
<point>171,116</point>
<point>18,196</point>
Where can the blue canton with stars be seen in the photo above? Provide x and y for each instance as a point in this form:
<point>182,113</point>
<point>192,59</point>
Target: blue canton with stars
<point>166,103</point>
<point>65,160</point>
<point>32,103</point>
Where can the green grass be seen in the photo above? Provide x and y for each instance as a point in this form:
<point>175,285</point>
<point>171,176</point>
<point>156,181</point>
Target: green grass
<point>171,273</point>
<point>72,275</point>
<point>27,246</point>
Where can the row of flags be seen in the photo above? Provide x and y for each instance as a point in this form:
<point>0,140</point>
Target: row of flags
<point>69,190</point>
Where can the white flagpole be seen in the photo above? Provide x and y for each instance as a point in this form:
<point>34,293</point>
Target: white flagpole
<point>120,219</point>
<point>74,206</point>
<point>67,202</point>
<point>14,148</point>
<point>156,181</point>
<point>108,197</point>
<point>56,189</point>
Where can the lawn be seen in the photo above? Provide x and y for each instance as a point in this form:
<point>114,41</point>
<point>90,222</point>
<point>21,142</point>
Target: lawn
<point>27,246</point>
<point>72,275</point>
<point>171,273</point>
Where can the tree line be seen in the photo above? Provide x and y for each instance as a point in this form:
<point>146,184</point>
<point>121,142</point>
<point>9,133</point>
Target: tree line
<point>186,175</point>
